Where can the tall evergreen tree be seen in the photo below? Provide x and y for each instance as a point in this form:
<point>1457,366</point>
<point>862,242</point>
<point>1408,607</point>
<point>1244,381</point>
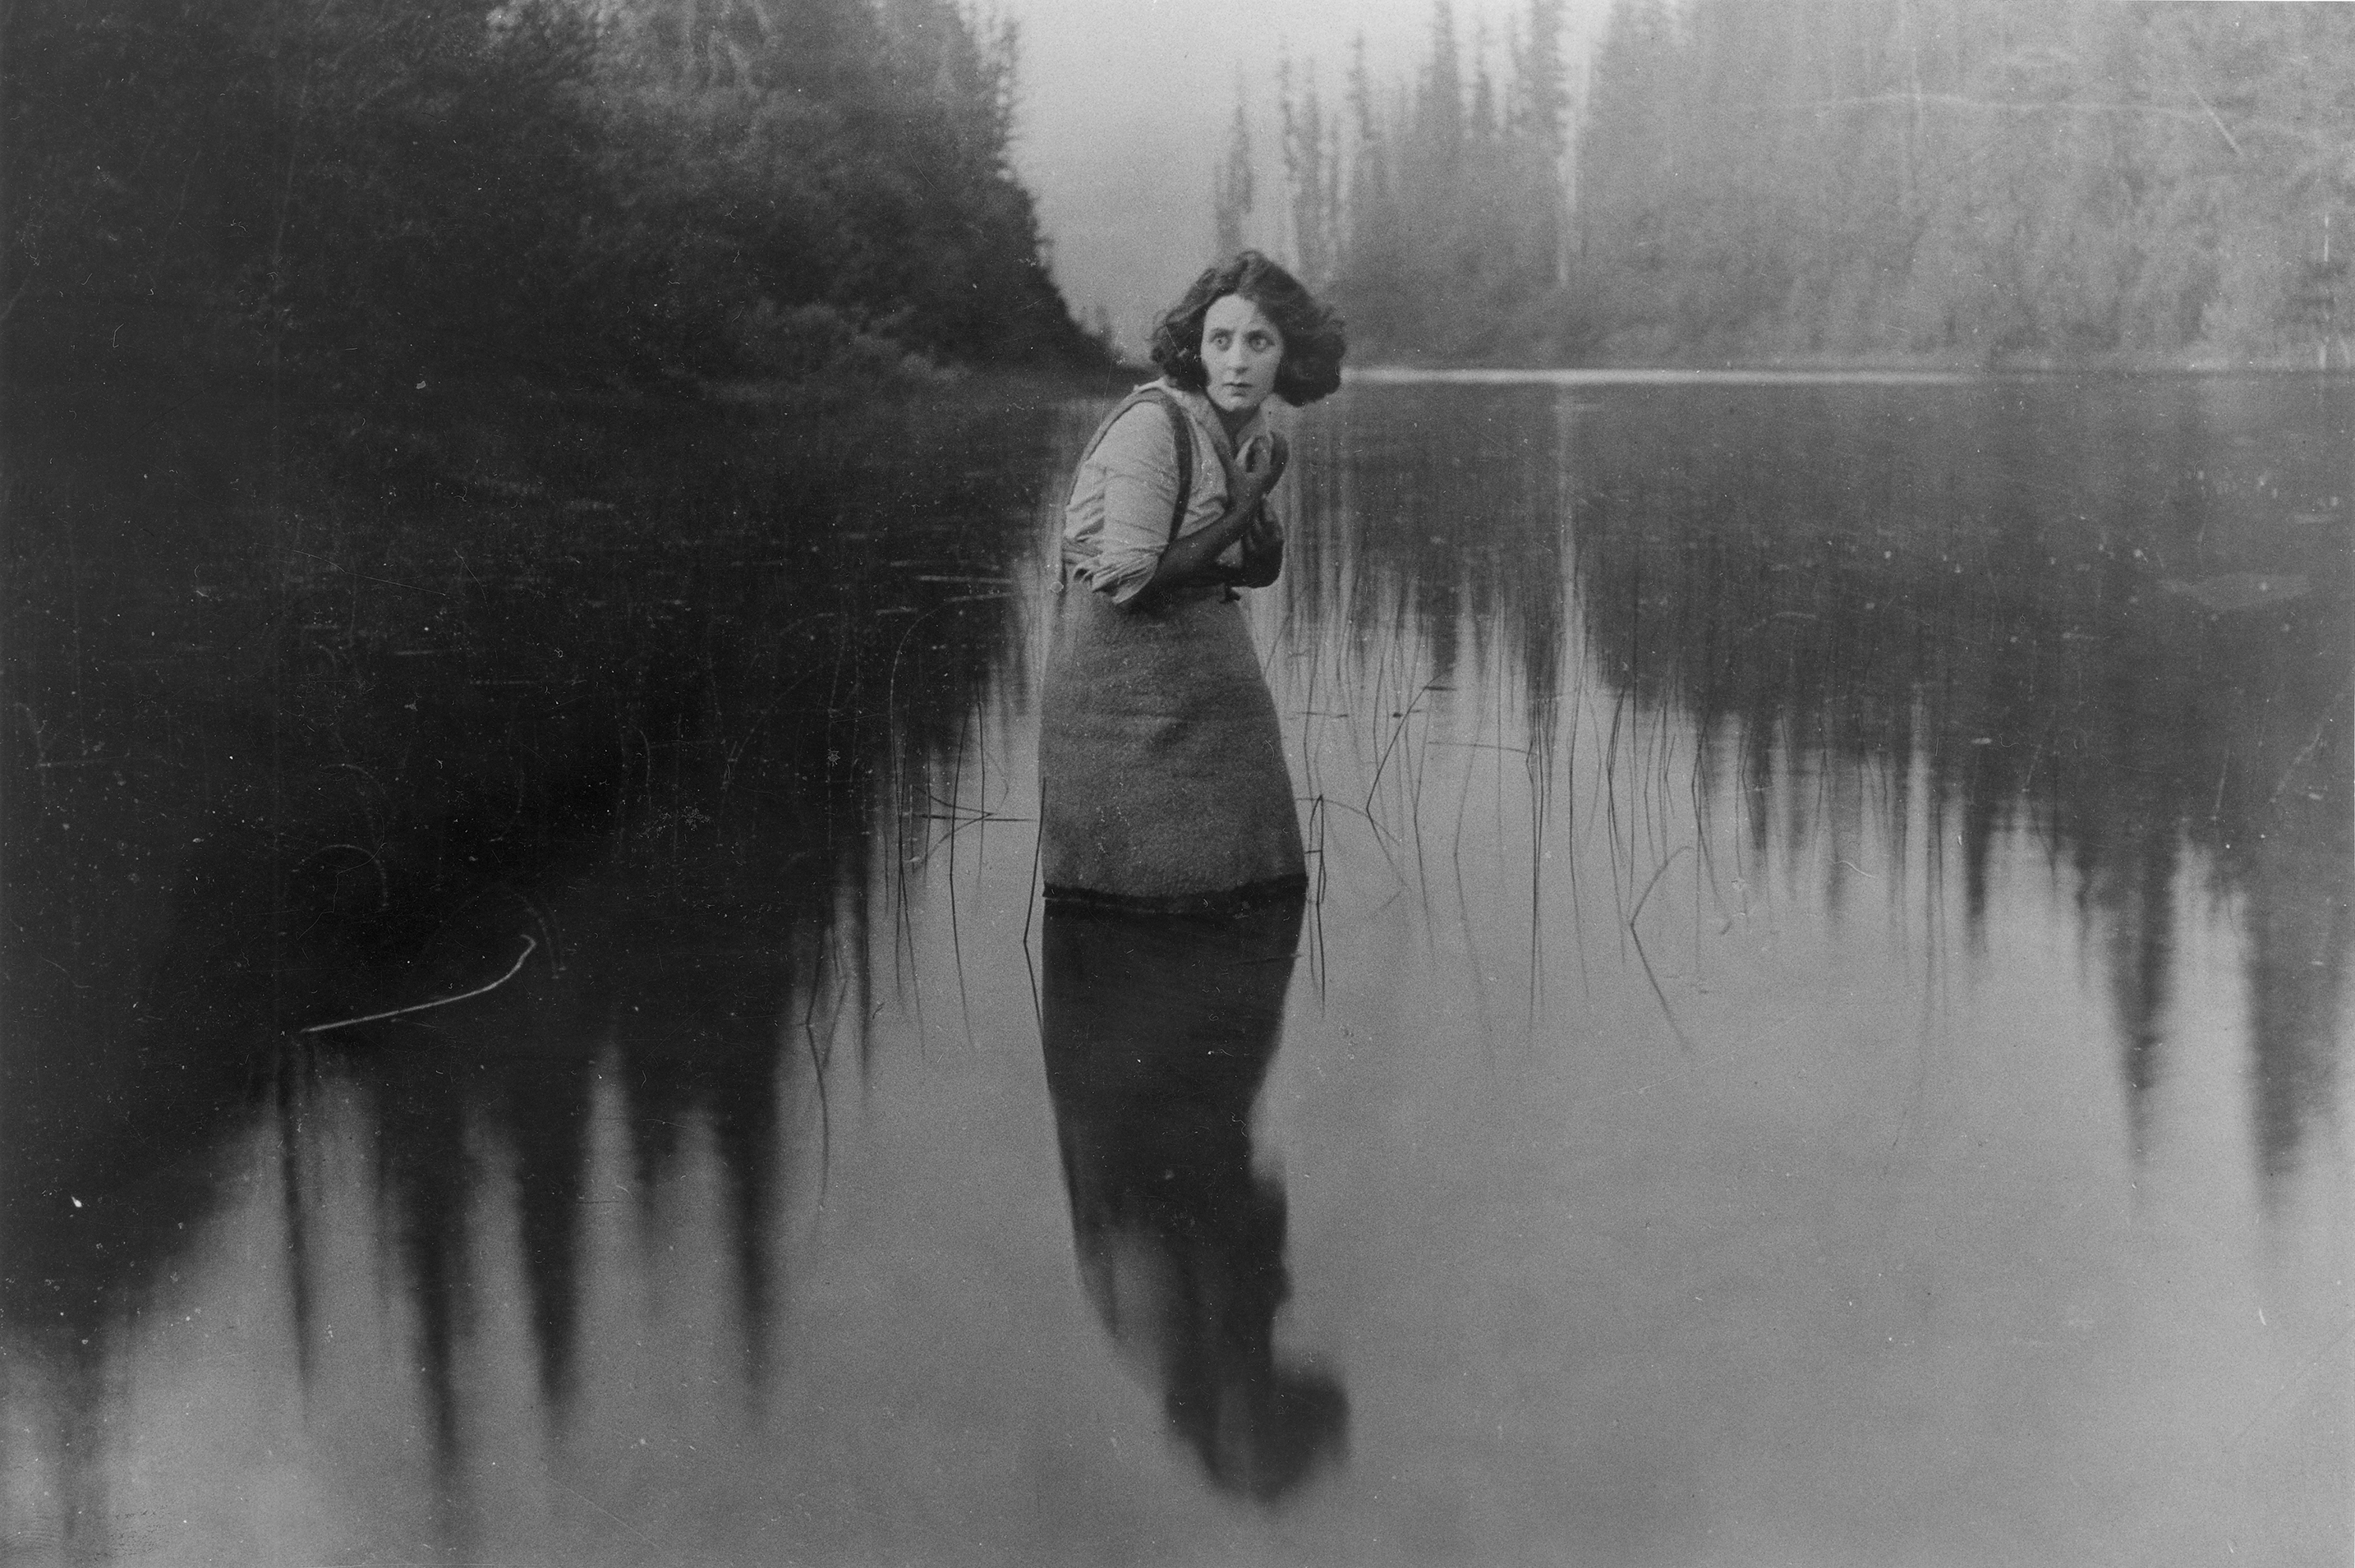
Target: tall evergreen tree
<point>1232,192</point>
<point>1541,97</point>
<point>1312,177</point>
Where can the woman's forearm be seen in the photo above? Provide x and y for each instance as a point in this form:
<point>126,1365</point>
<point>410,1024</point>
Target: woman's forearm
<point>1191,555</point>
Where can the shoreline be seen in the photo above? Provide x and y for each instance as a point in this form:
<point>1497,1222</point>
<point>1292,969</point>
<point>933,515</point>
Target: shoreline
<point>1803,369</point>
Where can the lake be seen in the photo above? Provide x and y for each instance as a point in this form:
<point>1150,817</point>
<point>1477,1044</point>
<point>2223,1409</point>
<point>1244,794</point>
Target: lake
<point>1818,1034</point>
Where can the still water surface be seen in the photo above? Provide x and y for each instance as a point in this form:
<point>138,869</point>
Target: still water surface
<point>1818,1035</point>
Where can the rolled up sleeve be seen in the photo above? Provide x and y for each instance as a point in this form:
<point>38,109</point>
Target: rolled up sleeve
<point>1140,491</point>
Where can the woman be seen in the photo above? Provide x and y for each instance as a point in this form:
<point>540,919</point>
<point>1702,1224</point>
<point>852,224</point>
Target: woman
<point>1162,782</point>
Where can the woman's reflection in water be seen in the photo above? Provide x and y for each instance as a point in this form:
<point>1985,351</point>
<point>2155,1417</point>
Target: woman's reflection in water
<point>1158,1031</point>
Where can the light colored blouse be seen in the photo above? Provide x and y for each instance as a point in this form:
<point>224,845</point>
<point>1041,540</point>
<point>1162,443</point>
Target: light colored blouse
<point>1117,522</point>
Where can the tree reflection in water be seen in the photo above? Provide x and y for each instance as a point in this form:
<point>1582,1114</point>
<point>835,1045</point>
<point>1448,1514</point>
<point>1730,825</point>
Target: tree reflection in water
<point>2108,616</point>
<point>657,708</point>
<point>1158,1031</point>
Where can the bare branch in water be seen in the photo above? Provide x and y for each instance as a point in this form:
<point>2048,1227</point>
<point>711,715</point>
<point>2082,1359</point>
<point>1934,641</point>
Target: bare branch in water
<point>1655,882</point>
<point>530,945</point>
<point>1645,958</point>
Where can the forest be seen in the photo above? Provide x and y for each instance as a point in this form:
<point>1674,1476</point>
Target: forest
<point>683,191</point>
<point>1954,181</point>
<point>360,194</point>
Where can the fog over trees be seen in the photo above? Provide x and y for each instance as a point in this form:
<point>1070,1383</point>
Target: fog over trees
<point>361,192</point>
<point>650,190</point>
<point>1966,180</point>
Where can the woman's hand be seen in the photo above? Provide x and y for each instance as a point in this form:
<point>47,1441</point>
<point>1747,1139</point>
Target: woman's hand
<point>1261,464</point>
<point>1262,461</point>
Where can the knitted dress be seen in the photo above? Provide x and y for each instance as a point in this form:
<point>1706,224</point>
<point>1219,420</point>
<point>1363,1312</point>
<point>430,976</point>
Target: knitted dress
<point>1162,781</point>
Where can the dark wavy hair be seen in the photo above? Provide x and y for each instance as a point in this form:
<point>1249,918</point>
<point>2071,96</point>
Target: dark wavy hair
<point>1314,338</point>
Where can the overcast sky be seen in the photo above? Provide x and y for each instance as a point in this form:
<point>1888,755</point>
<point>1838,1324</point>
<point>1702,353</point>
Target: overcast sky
<point>1124,111</point>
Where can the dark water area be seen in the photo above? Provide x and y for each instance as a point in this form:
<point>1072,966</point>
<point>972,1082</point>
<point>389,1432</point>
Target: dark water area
<point>1817,1033</point>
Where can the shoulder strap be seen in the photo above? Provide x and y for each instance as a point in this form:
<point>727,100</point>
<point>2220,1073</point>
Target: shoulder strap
<point>1183,440</point>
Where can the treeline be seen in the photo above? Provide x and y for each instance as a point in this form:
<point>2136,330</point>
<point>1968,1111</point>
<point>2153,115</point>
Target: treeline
<point>1972,177</point>
<point>1962,179</point>
<point>566,189</point>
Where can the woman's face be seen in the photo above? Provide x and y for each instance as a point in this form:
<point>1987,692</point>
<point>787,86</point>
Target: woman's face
<point>1241,351</point>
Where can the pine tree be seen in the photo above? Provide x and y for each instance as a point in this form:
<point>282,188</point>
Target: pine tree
<point>1232,192</point>
<point>1312,177</point>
